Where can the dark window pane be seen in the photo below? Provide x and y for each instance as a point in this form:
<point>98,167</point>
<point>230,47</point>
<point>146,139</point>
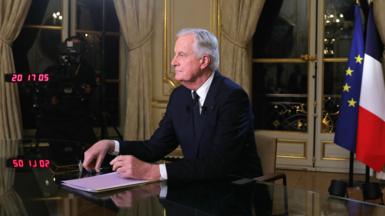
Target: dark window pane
<point>338,21</point>
<point>93,53</point>
<point>280,96</point>
<point>89,14</point>
<point>111,103</point>
<point>111,57</point>
<point>45,12</point>
<point>109,67</point>
<point>282,30</point>
<point>334,74</point>
<point>106,104</point>
<point>111,20</point>
<point>106,64</point>
<point>34,50</point>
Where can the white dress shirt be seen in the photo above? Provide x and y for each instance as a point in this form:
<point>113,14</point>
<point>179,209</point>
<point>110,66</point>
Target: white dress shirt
<point>202,92</point>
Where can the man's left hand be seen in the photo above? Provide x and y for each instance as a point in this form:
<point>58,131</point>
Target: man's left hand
<point>128,166</point>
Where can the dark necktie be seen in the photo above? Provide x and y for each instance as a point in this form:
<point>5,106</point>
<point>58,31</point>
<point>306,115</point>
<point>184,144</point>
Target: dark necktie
<point>196,111</point>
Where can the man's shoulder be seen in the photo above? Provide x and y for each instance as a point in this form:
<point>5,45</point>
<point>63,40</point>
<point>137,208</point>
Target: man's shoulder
<point>179,93</point>
<point>179,90</point>
<point>226,84</point>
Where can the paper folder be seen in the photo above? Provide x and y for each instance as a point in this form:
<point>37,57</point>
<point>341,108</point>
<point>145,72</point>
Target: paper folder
<point>102,183</point>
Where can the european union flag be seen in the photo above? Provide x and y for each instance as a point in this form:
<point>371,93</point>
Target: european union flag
<point>346,129</point>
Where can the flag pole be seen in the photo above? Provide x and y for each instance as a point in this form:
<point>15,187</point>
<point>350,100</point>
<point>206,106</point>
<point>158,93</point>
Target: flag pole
<point>351,168</point>
<point>367,174</point>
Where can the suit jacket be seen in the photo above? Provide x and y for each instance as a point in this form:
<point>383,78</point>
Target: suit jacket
<point>224,145</point>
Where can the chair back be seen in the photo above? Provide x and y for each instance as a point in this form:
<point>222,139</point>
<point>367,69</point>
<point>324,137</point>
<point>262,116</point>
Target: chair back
<point>267,150</point>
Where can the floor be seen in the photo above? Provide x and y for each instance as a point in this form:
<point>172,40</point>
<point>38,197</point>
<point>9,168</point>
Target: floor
<point>315,181</point>
<point>320,182</point>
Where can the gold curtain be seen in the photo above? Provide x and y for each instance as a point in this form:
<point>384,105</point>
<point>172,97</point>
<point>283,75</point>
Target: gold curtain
<point>8,149</point>
<point>136,25</point>
<point>379,18</point>
<point>12,16</point>
<point>11,204</point>
<point>239,21</point>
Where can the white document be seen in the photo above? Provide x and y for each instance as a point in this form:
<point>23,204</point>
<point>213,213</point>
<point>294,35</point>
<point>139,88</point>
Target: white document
<point>102,183</point>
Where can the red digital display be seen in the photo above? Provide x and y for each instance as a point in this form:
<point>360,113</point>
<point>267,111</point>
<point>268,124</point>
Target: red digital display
<point>30,163</point>
<point>31,77</point>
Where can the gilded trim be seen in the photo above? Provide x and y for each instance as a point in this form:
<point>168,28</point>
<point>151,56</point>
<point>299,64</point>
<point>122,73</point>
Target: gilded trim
<point>159,104</point>
<point>166,45</point>
<point>279,60</point>
<point>33,145</point>
<point>323,152</point>
<point>294,142</point>
<point>219,27</point>
<point>214,19</point>
<point>335,60</point>
<point>46,27</point>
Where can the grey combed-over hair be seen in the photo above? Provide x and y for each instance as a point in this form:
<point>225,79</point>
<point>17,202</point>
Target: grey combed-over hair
<point>205,43</point>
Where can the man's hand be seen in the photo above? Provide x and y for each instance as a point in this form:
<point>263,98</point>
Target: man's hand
<point>94,156</point>
<point>128,166</point>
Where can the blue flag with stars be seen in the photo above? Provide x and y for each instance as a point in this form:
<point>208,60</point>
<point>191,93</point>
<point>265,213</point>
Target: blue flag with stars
<point>346,128</point>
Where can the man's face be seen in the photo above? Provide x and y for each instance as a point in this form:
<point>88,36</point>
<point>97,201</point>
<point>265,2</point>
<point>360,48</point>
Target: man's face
<point>188,67</point>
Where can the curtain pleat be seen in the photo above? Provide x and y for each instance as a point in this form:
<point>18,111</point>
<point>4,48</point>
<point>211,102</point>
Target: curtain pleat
<point>136,25</point>
<point>239,21</point>
<point>379,18</point>
<point>12,16</point>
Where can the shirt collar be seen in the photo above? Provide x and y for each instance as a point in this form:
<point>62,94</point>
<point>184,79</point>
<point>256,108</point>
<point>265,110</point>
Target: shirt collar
<point>204,89</point>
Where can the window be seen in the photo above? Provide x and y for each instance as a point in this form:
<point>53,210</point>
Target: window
<point>39,45</point>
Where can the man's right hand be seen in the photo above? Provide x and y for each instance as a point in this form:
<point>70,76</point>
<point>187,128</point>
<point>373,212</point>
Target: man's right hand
<point>94,156</point>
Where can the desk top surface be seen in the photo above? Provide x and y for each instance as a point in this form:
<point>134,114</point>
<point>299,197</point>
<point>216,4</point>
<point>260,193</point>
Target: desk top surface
<point>37,191</point>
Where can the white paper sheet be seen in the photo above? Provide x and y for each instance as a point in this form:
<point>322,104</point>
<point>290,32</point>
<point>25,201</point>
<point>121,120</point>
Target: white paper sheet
<point>101,183</point>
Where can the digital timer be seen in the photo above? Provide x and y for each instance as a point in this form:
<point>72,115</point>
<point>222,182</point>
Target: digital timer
<point>29,163</point>
<point>30,77</point>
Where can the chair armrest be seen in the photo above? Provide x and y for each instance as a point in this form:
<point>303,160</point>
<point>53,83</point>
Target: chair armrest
<point>272,177</point>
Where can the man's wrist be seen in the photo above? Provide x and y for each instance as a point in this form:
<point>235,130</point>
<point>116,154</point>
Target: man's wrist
<point>114,148</point>
<point>163,172</point>
<point>156,172</point>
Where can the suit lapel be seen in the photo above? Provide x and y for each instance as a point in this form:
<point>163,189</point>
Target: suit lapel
<point>207,110</point>
<point>185,118</point>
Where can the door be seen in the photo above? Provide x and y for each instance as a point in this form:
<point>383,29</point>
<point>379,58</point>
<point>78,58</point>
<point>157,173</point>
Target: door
<point>299,53</point>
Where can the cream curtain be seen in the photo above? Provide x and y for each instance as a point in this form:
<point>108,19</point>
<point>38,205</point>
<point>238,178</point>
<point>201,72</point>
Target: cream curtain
<point>12,16</point>
<point>239,21</point>
<point>136,25</point>
<point>379,18</point>
<point>8,149</point>
<point>12,204</point>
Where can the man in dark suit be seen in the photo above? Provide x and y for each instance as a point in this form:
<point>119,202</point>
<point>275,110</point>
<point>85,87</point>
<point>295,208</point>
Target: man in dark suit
<point>209,116</point>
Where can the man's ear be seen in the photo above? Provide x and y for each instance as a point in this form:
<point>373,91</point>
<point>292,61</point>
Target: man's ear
<point>205,62</point>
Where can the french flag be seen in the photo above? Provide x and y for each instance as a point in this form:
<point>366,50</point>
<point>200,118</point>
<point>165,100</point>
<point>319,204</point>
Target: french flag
<point>370,146</point>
